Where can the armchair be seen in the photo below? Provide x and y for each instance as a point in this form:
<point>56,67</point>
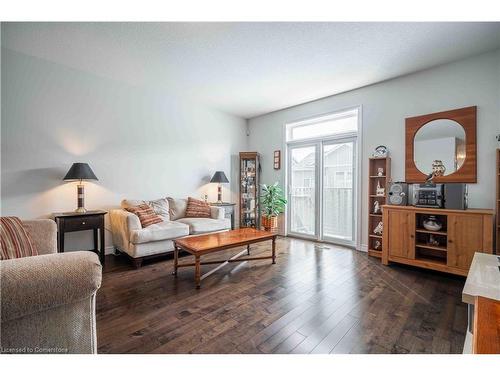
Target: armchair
<point>48,301</point>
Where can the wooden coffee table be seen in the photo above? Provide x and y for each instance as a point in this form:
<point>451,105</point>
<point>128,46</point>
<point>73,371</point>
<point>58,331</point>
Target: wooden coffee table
<point>210,243</point>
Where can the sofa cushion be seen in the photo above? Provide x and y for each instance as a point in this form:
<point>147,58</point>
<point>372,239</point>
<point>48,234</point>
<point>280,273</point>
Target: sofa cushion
<point>177,208</point>
<point>164,230</point>
<point>198,225</point>
<point>160,206</point>
<point>146,215</point>
<point>197,208</point>
<point>14,239</point>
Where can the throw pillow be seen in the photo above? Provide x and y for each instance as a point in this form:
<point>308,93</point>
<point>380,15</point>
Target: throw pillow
<point>177,208</point>
<point>15,240</point>
<point>197,208</point>
<point>146,215</point>
<point>131,203</point>
<point>161,208</point>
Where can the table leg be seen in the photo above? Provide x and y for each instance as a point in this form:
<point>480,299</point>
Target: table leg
<point>197,271</point>
<point>176,260</point>
<point>274,250</point>
<point>61,241</point>
<point>248,249</point>
<point>96,244</point>
<point>103,245</point>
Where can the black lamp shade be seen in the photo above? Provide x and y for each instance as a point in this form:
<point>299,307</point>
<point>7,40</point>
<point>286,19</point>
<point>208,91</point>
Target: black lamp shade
<point>80,171</point>
<point>219,177</point>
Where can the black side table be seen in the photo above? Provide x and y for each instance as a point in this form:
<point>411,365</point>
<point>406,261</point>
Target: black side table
<point>228,210</point>
<point>77,221</point>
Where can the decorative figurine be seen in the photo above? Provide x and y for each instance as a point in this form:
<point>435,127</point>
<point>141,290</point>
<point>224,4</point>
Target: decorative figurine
<point>377,245</point>
<point>376,207</point>
<point>380,172</point>
<point>433,241</point>
<point>379,228</point>
<point>380,190</point>
<point>438,169</point>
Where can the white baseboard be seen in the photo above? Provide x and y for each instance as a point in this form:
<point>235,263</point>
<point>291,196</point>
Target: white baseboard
<point>363,248</point>
<point>468,343</point>
<point>109,250</point>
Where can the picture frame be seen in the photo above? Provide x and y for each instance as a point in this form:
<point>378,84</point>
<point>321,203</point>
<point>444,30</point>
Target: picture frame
<point>277,159</point>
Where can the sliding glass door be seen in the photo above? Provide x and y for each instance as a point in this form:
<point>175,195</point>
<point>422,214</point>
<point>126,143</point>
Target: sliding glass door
<point>302,190</point>
<point>322,178</point>
<point>338,191</point>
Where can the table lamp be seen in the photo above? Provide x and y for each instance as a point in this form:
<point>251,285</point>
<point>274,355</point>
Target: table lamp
<point>80,171</point>
<point>220,178</point>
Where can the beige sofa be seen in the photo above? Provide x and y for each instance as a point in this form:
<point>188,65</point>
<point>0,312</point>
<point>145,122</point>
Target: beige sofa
<point>48,301</point>
<point>139,243</point>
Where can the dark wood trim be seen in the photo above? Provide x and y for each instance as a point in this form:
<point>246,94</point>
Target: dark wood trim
<point>467,173</point>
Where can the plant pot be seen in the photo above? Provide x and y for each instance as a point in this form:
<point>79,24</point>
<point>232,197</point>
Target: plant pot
<point>270,223</point>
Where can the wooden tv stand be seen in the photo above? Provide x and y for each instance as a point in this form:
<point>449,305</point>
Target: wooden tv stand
<point>464,232</point>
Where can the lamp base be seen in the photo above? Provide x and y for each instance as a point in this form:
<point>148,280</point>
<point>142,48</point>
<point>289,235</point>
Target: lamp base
<point>80,199</point>
<point>219,194</point>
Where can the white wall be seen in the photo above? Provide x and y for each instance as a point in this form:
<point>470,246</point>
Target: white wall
<point>474,81</point>
<point>140,144</point>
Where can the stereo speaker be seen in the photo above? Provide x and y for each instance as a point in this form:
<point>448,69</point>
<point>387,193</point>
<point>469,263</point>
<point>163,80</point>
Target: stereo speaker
<point>398,194</point>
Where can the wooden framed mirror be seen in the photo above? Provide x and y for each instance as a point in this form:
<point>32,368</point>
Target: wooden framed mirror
<point>449,137</point>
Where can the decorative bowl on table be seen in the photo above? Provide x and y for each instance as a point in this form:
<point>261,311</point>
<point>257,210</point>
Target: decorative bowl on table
<point>432,224</point>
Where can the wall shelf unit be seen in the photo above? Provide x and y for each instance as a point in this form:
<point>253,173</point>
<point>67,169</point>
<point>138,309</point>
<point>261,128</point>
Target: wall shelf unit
<point>376,178</point>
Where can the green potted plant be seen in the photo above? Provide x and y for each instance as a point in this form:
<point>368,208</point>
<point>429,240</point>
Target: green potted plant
<point>273,203</point>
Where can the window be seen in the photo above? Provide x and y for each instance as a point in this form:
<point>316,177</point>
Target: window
<point>340,123</point>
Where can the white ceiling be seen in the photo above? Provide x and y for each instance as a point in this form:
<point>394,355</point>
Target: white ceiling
<point>248,69</point>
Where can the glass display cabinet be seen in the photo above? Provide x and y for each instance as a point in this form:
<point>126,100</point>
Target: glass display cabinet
<point>249,189</point>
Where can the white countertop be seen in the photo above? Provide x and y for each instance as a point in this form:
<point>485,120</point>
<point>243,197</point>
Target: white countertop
<point>483,278</point>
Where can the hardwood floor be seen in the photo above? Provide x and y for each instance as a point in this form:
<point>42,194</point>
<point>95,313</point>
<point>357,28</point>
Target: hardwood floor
<point>316,299</point>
